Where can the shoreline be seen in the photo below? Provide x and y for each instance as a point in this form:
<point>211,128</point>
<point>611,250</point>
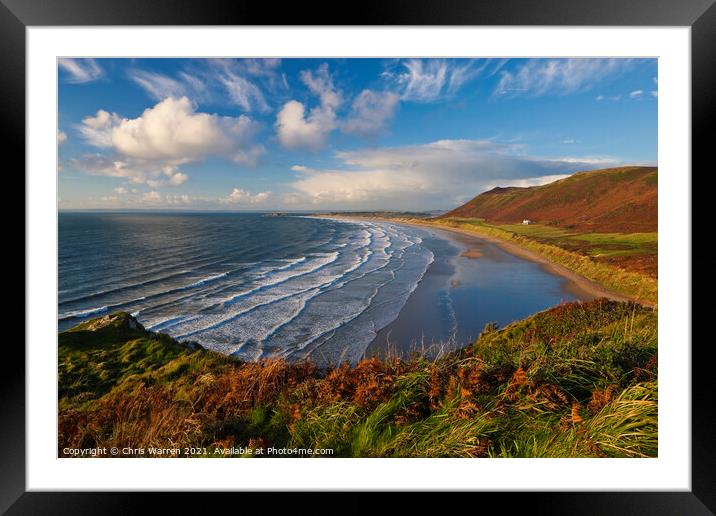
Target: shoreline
<point>583,284</point>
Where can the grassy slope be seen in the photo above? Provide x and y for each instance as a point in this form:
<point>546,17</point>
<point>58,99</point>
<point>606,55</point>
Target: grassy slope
<point>609,215</point>
<point>578,380</point>
<point>615,200</point>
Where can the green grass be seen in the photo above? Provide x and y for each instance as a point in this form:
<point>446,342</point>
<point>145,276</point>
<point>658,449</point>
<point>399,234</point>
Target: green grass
<point>578,380</point>
<point>125,358</point>
<point>531,230</point>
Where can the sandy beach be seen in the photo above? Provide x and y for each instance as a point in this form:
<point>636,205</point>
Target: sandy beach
<point>579,285</point>
<point>473,281</point>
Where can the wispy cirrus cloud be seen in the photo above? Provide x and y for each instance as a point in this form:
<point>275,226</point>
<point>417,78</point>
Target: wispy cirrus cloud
<point>537,77</point>
<point>233,76</point>
<point>636,94</point>
<point>370,113</point>
<point>430,80</point>
<point>244,93</point>
<point>160,86</point>
<point>241,82</point>
<point>80,70</point>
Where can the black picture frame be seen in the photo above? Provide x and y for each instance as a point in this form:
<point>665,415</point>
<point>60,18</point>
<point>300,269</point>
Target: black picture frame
<point>17,15</point>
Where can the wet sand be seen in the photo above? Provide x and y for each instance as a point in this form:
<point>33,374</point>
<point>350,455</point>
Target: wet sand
<point>472,282</point>
<point>579,285</point>
<point>472,253</point>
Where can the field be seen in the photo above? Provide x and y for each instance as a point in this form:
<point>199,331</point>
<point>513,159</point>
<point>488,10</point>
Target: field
<point>578,380</point>
<point>635,252</point>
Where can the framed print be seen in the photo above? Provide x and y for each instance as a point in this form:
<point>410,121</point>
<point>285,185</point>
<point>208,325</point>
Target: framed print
<point>446,252</point>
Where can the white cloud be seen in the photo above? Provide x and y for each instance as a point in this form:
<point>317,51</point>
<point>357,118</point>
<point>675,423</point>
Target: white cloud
<point>569,141</point>
<point>233,75</point>
<point>148,149</point>
<point>558,76</point>
<point>173,130</point>
<point>120,190</point>
<point>655,92</point>
<point>370,112</point>
<point>196,85</point>
<point>428,80</point>
<point>636,94</point>
<point>177,179</point>
<point>433,176</point>
<point>321,84</point>
<point>298,130</point>
<point>136,199</point>
<point>172,177</point>
<point>155,199</point>
<point>267,71</point>
<point>80,70</point>
<point>61,137</point>
<point>173,199</point>
<point>149,173</point>
<point>528,181</point>
<point>160,86</point>
<point>243,92</point>
<point>209,80</point>
<point>97,130</point>
<point>266,67</point>
<point>587,161</point>
<point>152,196</point>
<point>240,196</point>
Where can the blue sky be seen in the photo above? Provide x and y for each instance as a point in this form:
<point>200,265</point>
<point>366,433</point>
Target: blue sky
<point>353,134</point>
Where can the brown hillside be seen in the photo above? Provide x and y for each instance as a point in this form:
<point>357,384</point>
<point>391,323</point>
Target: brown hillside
<point>609,200</point>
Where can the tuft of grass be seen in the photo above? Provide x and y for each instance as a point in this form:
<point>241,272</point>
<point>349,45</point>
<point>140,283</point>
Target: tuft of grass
<point>577,380</point>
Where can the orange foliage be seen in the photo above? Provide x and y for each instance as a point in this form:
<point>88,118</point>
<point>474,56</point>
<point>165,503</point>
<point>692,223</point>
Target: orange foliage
<point>367,384</point>
<point>600,398</point>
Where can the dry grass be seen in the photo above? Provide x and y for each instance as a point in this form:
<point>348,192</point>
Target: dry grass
<point>578,380</point>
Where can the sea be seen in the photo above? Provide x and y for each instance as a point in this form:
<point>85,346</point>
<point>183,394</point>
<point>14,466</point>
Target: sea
<point>258,285</point>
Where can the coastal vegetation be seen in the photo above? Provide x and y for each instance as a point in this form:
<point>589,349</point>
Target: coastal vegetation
<point>577,380</point>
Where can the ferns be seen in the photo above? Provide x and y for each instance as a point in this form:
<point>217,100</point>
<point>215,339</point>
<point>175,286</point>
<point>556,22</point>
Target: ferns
<point>578,380</point>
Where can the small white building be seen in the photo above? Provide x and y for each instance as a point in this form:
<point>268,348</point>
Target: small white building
<point>527,222</point>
